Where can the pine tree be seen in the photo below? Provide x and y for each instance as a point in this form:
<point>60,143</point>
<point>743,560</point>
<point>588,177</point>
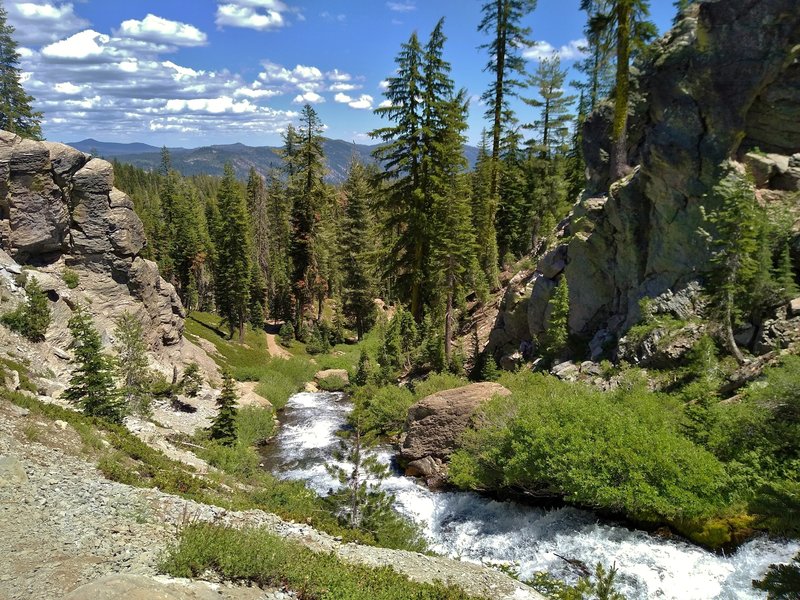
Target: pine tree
<point>554,106</point>
<point>357,253</point>
<point>734,245</point>
<point>362,502</point>
<point>305,164</point>
<point>278,284</point>
<point>32,318</point>
<point>223,425</point>
<point>91,386</point>
<point>784,274</point>
<point>233,260</point>
<point>556,337</point>
<point>362,376</point>
<point>621,27</point>
<point>598,64</point>
<point>16,112</point>
<point>514,210</point>
<point>257,207</point>
<point>132,365</point>
<point>401,156</point>
<point>484,212</point>
<point>192,379</point>
<point>501,21</point>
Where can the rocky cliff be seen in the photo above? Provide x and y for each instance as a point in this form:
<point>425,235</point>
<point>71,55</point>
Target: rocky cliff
<point>59,209</point>
<point>724,82</point>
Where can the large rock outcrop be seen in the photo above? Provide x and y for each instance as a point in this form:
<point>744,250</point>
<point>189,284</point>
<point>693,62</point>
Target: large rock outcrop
<point>436,423</point>
<point>59,207</point>
<point>722,82</point>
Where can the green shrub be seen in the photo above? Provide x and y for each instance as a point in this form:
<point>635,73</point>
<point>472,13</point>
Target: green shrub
<point>383,410</point>
<point>192,379</point>
<point>252,555</point>
<point>438,382</point>
<point>254,425</point>
<point>332,383</point>
<point>619,451</point>
<point>286,334</point>
<point>71,278</point>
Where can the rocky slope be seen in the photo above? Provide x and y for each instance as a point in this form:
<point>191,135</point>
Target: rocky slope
<point>71,528</point>
<point>59,208</point>
<point>722,83</point>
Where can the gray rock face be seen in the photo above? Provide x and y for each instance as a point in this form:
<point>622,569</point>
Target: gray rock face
<point>57,202</point>
<point>436,422</point>
<point>12,472</point>
<point>722,82</point>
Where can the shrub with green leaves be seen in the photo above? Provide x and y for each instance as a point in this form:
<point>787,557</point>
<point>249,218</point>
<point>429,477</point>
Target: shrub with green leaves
<point>254,555</point>
<point>71,278</point>
<point>621,451</point>
<point>383,410</point>
<point>32,318</point>
<point>286,334</point>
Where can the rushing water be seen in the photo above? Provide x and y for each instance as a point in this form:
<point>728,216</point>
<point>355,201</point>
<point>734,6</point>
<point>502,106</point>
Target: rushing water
<point>470,527</point>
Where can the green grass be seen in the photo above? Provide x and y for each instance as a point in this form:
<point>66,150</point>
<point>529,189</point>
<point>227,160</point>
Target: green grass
<point>332,383</point>
<point>251,555</point>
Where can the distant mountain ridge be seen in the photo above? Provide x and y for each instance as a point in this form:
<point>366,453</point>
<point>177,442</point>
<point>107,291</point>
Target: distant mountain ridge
<point>211,159</point>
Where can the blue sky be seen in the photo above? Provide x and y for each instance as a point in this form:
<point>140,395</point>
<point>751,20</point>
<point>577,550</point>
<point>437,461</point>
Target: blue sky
<point>196,72</point>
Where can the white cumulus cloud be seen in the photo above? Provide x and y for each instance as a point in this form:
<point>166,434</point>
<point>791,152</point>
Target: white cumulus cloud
<point>573,50</point>
<point>38,23</point>
<point>261,15</point>
<point>162,31</point>
<point>364,102</point>
<point>308,97</point>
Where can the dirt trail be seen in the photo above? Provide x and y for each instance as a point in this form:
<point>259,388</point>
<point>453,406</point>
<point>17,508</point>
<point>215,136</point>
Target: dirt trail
<point>275,349</point>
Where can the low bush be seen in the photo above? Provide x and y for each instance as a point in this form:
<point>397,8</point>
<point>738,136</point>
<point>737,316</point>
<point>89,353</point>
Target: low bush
<point>71,278</point>
<point>256,556</point>
<point>332,383</point>
<point>622,452</point>
<point>383,410</point>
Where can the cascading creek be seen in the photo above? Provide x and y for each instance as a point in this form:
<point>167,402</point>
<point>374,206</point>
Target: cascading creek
<point>470,527</point>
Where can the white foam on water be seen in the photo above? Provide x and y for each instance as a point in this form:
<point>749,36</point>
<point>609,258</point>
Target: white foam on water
<point>471,527</point>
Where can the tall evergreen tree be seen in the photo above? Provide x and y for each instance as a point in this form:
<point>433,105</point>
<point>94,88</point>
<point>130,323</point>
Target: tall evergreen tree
<point>357,253</point>
<point>278,283</point>
<point>501,20</point>
<point>401,156</point>
<point>484,211</point>
<point>16,113</point>
<point>734,246</point>
<point>597,65</point>
<point>621,27</point>
<point>554,106</point>
<point>305,166</point>
<point>233,260</point>
<point>91,386</point>
<point>513,213</point>
<point>258,208</point>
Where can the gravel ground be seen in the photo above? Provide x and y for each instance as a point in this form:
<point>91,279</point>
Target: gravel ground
<point>62,526</point>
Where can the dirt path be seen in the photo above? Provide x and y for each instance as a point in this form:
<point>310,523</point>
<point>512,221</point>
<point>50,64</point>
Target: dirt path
<point>275,349</point>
